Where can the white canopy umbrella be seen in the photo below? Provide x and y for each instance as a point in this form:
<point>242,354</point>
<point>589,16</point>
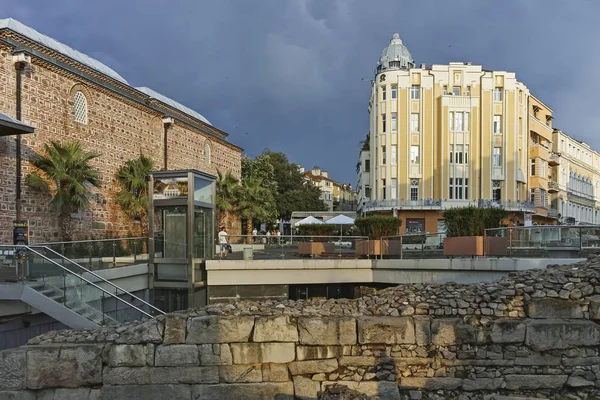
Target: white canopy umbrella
<point>340,220</point>
<point>308,220</point>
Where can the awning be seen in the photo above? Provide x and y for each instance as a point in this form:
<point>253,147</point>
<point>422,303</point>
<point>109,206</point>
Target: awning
<point>340,220</point>
<point>308,220</point>
<point>10,126</point>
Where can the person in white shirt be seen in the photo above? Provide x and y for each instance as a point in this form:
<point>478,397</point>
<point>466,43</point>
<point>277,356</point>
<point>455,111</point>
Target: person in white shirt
<point>278,237</point>
<point>224,242</point>
<point>254,233</point>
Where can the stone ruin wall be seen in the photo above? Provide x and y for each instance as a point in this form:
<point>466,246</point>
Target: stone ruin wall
<point>534,333</point>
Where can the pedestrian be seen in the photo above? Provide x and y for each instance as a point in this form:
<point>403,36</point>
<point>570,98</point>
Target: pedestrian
<point>254,233</point>
<point>268,237</point>
<point>278,236</point>
<point>224,242</point>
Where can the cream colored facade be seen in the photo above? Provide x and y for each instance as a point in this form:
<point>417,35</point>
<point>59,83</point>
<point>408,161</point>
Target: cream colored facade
<point>576,179</point>
<point>337,196</point>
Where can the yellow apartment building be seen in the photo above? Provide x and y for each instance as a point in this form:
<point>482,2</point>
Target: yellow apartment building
<point>444,136</point>
<point>337,196</point>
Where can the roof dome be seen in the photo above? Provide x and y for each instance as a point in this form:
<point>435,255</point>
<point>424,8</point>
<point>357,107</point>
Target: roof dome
<point>395,56</point>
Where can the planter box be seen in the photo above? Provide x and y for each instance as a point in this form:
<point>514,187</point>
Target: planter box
<point>315,248</point>
<point>475,246</point>
<point>374,247</point>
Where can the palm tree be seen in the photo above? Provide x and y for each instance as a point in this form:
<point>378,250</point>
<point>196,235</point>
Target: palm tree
<point>228,194</point>
<point>251,205</point>
<point>133,196</point>
<point>67,175</point>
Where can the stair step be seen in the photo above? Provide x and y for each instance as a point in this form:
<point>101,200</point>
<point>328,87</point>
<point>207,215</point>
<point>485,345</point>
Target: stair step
<point>46,292</point>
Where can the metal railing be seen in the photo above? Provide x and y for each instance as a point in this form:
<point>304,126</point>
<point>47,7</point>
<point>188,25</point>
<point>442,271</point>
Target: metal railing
<point>446,203</point>
<point>68,287</point>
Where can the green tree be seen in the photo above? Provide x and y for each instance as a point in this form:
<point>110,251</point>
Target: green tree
<point>133,196</point>
<point>228,195</point>
<point>252,203</point>
<point>66,173</point>
<point>294,193</point>
<point>261,171</point>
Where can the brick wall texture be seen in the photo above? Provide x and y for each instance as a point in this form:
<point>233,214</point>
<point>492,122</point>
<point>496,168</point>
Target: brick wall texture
<point>118,128</point>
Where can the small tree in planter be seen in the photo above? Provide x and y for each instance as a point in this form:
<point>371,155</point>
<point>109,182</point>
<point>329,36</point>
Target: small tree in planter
<point>465,230</point>
<point>319,245</point>
<point>377,227</point>
<point>317,230</point>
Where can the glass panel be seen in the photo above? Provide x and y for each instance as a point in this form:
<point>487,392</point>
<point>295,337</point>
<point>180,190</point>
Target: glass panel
<point>170,232</point>
<point>171,272</point>
<point>202,190</point>
<point>170,188</point>
<point>203,233</point>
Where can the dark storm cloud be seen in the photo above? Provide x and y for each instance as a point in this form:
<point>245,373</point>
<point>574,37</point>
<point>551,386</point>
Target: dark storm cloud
<point>289,72</point>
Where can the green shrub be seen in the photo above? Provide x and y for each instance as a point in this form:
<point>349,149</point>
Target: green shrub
<point>316,230</point>
<point>378,226</point>
<point>472,221</point>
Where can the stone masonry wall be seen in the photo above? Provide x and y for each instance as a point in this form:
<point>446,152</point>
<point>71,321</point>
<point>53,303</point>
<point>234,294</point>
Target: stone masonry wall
<point>117,128</point>
<point>534,333</point>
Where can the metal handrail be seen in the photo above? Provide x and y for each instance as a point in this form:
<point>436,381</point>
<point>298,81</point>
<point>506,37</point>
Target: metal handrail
<point>104,280</point>
<point>81,277</point>
<point>88,241</point>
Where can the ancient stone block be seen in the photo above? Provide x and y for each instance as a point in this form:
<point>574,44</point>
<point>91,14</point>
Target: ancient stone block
<point>213,329</point>
<point>471,385</point>
<point>581,361</point>
<point>327,331</point>
<point>240,373</point>
<point>275,372</point>
<point>67,366</point>
<point>422,330</point>
<point>318,352</point>
<point>594,307</point>
<point>579,381</point>
<point>146,332</point>
<point>430,383</point>
<point>312,367</point>
<point>553,308</point>
<point>175,326</point>
<point>538,360</point>
<point>68,394</point>
<point>256,353</point>
<point>160,375</point>
<point>450,331</point>
<point>215,354</point>
<point>306,388</point>
<point>150,354</point>
<point>545,335</point>
<point>176,355</point>
<point>508,331</point>
<point>12,369</point>
<point>275,329</point>
<point>126,355</point>
<point>18,395</point>
<point>145,392</point>
<point>251,391</point>
<point>386,330</point>
<point>383,390</point>
<point>362,361</point>
<point>533,382</point>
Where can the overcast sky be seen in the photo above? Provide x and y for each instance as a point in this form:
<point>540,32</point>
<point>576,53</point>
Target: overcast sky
<point>288,74</point>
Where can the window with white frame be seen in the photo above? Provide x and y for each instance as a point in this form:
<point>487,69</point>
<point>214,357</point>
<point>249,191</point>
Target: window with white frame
<point>456,91</point>
<point>497,124</point>
<point>81,109</point>
<point>451,154</point>
<point>498,94</point>
<point>394,122</point>
<point>543,198</point>
<point>451,189</point>
<point>532,196</point>
<point>383,94</point>
<point>394,154</point>
<point>466,159</point>
<point>497,159</point>
<point>383,155</point>
<point>414,122</point>
<point>383,189</point>
<point>542,168</point>
<point>383,123</point>
<point>394,91</point>
<point>458,189</point>
<point>458,121</point>
<point>451,120</point>
<point>466,122</point>
<point>414,92</point>
<point>414,190</point>
<point>533,167</point>
<point>414,155</point>
<point>459,153</point>
<point>497,190</point>
<point>394,189</point>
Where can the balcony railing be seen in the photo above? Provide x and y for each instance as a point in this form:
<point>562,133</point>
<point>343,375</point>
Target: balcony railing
<point>437,204</point>
<point>554,159</point>
<point>553,186</point>
<point>552,213</point>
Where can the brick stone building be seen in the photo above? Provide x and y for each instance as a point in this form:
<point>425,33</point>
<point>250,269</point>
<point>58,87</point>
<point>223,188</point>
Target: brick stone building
<point>72,97</point>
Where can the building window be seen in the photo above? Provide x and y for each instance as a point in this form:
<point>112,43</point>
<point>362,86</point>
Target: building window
<point>414,92</point>
<point>466,153</point>
<point>383,121</point>
<point>394,155</point>
<point>383,189</point>
<point>383,95</point>
<point>451,186</point>
<point>394,122</point>
<point>81,110</point>
<point>466,122</point>
<point>458,155</point>
<point>497,157</point>
<point>451,154</point>
<point>414,122</point>
<point>415,225</point>
<point>466,188</point>
<point>498,94</point>
<point>468,90</point>
<point>383,155</point>
<point>456,90</point>
<point>394,91</point>
<point>458,121</point>
<point>207,155</point>
<point>394,188</point>
<point>451,120</point>
<point>445,90</point>
<point>414,155</point>
<point>532,196</point>
<point>533,167</point>
<point>367,165</point>
<point>458,188</point>
<point>543,198</point>
<point>414,190</point>
<point>497,124</point>
<point>497,190</point>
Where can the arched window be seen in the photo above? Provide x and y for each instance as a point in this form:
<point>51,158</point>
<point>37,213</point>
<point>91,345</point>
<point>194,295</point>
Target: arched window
<point>81,110</point>
<point>207,155</point>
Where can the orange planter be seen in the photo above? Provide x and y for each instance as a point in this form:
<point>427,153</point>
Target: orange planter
<point>315,248</point>
<point>475,246</point>
<point>374,247</point>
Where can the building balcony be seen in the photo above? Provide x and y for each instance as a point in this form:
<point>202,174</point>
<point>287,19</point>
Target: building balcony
<point>538,151</point>
<point>553,186</point>
<point>553,213</point>
<point>437,204</point>
<point>554,159</point>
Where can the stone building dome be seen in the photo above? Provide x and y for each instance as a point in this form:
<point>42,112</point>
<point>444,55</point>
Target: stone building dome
<point>395,56</point>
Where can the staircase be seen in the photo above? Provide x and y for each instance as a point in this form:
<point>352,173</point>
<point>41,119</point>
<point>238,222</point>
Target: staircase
<point>57,286</point>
